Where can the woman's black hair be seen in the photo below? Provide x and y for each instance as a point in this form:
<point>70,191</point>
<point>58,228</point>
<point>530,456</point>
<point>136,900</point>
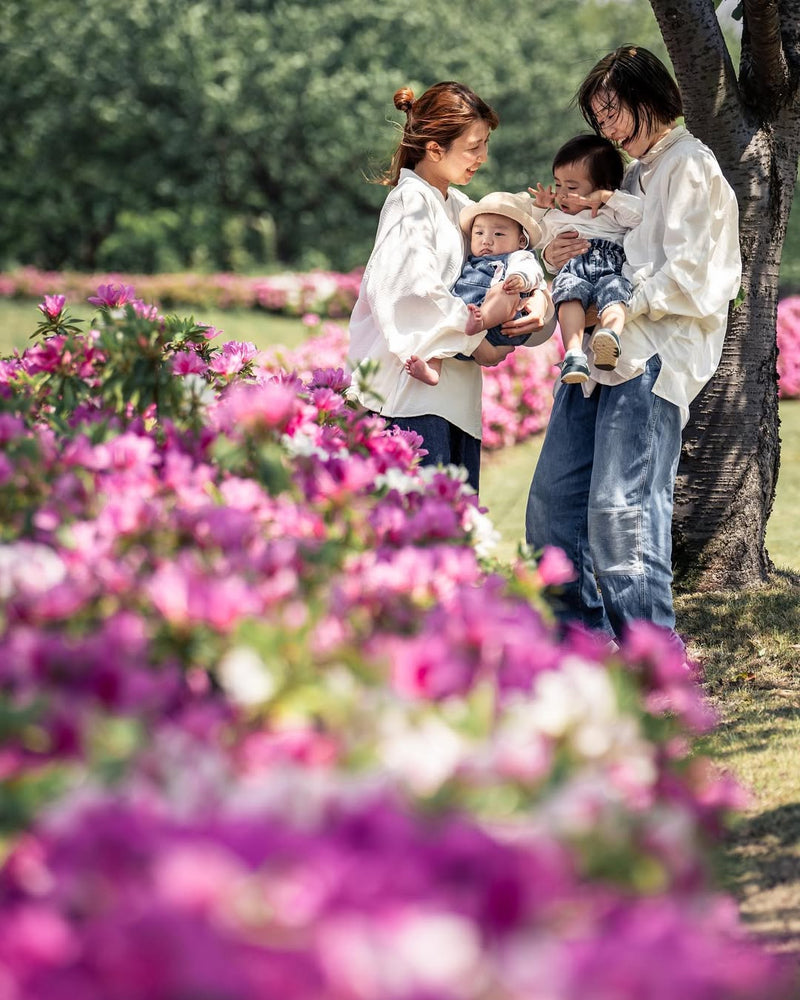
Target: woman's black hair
<point>638,80</point>
<point>604,163</point>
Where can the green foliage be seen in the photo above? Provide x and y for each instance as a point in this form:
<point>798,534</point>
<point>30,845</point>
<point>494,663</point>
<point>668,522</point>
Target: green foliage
<point>132,348</point>
<point>225,134</point>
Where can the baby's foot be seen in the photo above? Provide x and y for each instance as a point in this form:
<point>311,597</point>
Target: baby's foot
<point>426,371</point>
<point>475,321</point>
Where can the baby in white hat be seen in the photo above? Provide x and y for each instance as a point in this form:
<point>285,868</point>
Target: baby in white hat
<point>498,272</point>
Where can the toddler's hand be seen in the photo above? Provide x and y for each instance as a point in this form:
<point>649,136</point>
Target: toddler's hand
<point>579,202</point>
<point>543,197</point>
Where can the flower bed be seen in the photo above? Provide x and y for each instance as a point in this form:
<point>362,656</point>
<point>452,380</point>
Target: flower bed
<point>276,725</point>
<point>328,293</point>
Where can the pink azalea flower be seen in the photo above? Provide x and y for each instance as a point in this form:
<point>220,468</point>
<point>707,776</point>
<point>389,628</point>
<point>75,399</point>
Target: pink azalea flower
<point>554,568</point>
<point>188,363</point>
<point>112,296</point>
<point>232,358</point>
<point>52,305</point>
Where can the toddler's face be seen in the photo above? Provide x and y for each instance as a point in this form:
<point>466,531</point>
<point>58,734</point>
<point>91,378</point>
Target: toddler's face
<point>493,234</point>
<point>572,179</point>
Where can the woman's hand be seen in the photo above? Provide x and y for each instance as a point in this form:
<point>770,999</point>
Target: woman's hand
<point>565,246</point>
<point>536,322</point>
<point>487,355</point>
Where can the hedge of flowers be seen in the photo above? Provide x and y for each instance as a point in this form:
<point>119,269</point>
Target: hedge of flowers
<point>274,724</point>
<point>327,293</point>
<point>517,395</point>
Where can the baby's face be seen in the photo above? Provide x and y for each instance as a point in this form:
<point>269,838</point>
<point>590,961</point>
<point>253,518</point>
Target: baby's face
<point>572,179</point>
<point>492,234</point>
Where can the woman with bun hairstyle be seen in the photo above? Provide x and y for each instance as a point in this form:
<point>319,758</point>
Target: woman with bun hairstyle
<point>406,306</point>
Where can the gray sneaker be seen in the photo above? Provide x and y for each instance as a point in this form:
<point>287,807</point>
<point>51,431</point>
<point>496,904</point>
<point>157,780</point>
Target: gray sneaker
<point>605,346</point>
<point>575,368</point>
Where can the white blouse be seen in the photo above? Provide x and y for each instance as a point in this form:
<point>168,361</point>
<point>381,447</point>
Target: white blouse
<point>684,262</point>
<point>405,307</point>
<point>620,213</point>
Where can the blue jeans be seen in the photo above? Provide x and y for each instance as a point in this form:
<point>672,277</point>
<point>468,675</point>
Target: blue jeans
<point>445,443</point>
<point>602,491</point>
<point>593,277</point>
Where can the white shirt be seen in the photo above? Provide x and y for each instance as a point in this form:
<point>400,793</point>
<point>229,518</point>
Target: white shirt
<point>405,306</point>
<point>620,213</point>
<point>684,262</point>
<point>526,265</point>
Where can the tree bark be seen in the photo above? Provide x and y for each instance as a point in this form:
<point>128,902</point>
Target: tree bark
<point>731,452</point>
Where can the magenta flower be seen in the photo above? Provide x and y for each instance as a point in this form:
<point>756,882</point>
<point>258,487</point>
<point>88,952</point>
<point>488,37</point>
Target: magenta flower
<point>232,358</point>
<point>554,568</point>
<point>52,306</point>
<point>112,296</point>
<point>188,363</point>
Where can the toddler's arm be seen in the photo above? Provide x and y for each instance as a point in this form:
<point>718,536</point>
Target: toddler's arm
<point>625,208</point>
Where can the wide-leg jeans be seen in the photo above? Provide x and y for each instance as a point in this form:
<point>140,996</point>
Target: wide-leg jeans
<point>603,492</point>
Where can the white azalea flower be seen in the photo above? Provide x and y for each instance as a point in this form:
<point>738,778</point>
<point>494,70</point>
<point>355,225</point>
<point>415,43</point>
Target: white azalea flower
<point>29,568</point>
<point>244,677</point>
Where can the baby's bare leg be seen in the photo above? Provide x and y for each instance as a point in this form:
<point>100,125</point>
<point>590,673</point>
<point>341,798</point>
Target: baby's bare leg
<point>613,317</point>
<point>498,307</point>
<point>572,321</point>
<point>426,371</point>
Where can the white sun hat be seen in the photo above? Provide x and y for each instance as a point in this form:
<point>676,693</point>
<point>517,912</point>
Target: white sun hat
<point>513,206</point>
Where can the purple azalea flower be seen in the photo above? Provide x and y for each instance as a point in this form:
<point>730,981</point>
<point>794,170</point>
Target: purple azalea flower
<point>112,296</point>
<point>52,306</point>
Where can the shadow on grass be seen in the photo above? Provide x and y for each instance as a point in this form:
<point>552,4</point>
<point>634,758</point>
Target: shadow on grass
<point>748,644</point>
<point>749,637</point>
<point>731,740</point>
<point>762,868</point>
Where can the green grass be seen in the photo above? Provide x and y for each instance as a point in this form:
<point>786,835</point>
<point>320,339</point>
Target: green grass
<point>748,644</point>
<point>749,648</point>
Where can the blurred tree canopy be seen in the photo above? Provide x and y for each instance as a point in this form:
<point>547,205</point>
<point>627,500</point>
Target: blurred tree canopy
<point>140,135</point>
<point>233,134</point>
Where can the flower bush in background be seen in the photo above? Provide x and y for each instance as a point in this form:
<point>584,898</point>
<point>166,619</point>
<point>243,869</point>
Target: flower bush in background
<point>789,347</point>
<point>328,293</point>
<point>274,723</point>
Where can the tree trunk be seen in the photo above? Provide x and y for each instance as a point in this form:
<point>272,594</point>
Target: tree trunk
<point>731,451</point>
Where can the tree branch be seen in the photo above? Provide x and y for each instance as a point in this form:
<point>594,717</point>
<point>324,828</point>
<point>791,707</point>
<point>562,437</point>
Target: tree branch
<point>764,63</point>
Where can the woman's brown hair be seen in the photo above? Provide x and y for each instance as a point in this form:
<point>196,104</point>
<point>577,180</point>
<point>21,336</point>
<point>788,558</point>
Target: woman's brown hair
<point>441,115</point>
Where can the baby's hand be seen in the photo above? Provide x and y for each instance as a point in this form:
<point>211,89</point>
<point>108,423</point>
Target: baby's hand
<point>514,283</point>
<point>475,321</point>
<point>543,197</point>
